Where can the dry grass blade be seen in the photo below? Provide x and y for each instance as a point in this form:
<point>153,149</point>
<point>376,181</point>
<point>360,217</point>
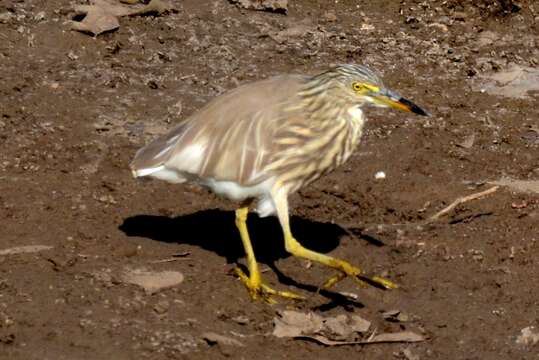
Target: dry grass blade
<point>462,200</point>
<point>403,336</point>
<point>24,249</point>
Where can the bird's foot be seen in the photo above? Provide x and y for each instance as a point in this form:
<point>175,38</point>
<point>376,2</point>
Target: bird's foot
<point>348,270</point>
<point>258,290</point>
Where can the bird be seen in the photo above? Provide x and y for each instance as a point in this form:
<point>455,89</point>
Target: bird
<point>262,141</point>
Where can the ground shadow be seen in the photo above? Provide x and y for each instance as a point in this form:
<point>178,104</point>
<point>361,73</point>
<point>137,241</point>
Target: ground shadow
<point>215,230</point>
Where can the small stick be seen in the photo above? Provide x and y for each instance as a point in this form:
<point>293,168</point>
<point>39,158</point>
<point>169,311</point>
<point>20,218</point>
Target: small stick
<point>166,260</point>
<point>461,200</point>
<point>174,257</point>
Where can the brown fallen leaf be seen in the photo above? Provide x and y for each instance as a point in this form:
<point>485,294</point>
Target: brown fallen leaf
<point>295,323</point>
<point>103,15</point>
<point>99,17</point>
<point>344,327</point>
<point>409,355</point>
<point>333,331</point>
<point>403,336</point>
<point>279,6</point>
<point>395,316</point>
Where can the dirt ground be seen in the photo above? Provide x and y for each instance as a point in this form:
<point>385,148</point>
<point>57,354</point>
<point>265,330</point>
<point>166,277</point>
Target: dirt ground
<point>75,108</point>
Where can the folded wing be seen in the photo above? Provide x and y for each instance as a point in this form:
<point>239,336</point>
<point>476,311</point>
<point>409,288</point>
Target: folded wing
<point>230,139</point>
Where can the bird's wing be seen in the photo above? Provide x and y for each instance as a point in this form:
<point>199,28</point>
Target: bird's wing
<point>231,138</point>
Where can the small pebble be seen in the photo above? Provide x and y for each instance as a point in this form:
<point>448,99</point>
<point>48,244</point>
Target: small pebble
<point>161,307</point>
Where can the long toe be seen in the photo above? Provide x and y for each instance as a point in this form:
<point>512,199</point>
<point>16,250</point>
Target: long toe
<point>258,290</point>
<point>385,283</point>
<point>348,270</point>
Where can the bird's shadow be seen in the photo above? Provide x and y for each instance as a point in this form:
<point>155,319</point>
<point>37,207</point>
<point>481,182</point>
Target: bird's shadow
<point>214,230</point>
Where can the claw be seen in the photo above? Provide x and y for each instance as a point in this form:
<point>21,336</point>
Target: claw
<point>341,276</point>
<point>386,284</point>
<point>261,291</point>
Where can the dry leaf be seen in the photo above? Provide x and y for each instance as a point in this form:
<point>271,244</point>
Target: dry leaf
<point>295,323</point>
<point>99,18</point>
<point>280,6</point>
<point>409,355</point>
<point>333,331</point>
<point>403,336</point>
<point>328,342</point>
<point>102,15</point>
<point>395,316</point>
<point>343,327</point>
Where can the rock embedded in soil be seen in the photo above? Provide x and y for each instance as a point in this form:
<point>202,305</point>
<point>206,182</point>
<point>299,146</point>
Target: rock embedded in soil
<point>152,281</point>
<point>528,336</point>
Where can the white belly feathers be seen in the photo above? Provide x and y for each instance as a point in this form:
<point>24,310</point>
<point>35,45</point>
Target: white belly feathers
<point>228,189</point>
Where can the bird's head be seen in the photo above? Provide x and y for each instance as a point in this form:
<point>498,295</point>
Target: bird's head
<point>364,86</point>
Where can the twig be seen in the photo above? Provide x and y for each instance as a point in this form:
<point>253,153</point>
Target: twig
<point>350,228</point>
<point>174,257</point>
<point>462,200</point>
<point>166,260</point>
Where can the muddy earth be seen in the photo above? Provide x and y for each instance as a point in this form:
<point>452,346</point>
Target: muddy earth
<point>74,108</point>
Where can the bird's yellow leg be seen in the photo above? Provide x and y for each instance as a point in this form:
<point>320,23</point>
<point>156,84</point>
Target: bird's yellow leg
<point>256,287</point>
<point>345,268</point>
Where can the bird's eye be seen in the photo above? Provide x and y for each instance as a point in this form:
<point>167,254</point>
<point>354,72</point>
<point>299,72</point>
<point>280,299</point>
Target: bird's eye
<point>357,86</point>
<point>363,87</point>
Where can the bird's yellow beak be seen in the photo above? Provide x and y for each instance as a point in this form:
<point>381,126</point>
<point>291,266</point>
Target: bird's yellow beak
<point>387,98</point>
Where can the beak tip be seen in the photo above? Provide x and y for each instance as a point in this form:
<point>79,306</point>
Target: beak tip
<point>419,111</point>
<point>413,107</point>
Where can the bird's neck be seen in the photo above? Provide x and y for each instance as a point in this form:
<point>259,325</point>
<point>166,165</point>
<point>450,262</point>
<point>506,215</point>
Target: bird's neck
<point>328,100</point>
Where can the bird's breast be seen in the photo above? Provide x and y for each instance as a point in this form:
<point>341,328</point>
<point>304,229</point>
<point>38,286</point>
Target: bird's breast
<point>329,147</point>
